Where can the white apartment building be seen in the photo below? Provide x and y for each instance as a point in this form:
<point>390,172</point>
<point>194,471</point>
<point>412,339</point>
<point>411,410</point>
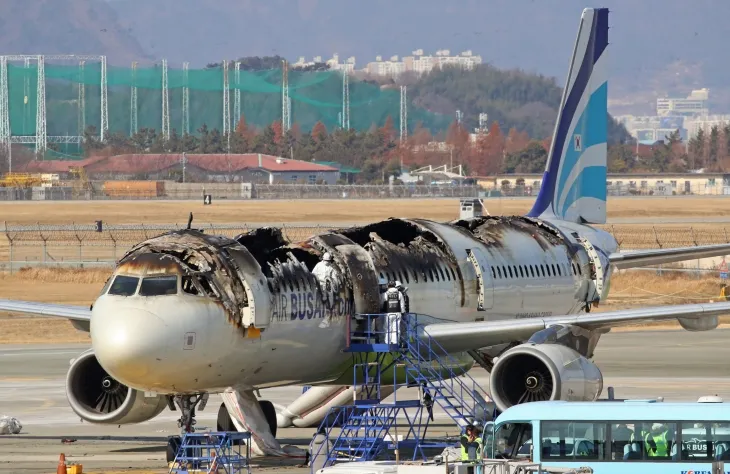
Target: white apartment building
<point>694,104</point>
<point>392,67</point>
<point>693,125</point>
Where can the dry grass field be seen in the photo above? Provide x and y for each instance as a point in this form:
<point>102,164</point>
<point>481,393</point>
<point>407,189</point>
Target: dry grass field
<point>80,287</point>
<point>327,211</point>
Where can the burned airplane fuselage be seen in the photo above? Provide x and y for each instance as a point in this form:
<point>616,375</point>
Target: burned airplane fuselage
<point>266,302</point>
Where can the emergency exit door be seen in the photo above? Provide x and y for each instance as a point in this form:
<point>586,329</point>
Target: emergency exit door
<point>485,283</point>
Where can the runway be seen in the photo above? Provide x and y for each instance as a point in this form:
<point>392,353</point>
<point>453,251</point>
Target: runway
<point>678,365</point>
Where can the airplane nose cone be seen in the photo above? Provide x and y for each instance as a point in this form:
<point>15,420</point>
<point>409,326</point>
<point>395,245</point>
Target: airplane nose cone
<point>127,343</point>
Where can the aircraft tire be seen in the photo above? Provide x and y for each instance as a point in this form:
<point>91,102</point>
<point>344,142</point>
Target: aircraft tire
<point>173,444</point>
<point>224,422</point>
<point>270,413</point>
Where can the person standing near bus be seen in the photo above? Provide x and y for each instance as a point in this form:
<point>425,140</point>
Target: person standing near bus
<point>471,448</point>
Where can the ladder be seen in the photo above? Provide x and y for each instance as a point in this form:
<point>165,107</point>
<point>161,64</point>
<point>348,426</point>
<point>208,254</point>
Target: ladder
<point>213,452</point>
<point>455,391</point>
<point>368,428</point>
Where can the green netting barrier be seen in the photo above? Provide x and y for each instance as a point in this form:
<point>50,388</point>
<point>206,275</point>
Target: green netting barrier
<point>315,96</point>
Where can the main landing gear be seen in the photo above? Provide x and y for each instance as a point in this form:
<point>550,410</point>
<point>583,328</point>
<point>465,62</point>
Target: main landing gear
<point>187,405</point>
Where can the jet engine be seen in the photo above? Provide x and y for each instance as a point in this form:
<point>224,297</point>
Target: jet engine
<point>540,372</point>
<point>98,398</point>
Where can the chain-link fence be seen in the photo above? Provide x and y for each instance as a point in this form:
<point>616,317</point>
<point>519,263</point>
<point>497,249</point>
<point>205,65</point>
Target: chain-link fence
<point>80,245</point>
<point>233,191</point>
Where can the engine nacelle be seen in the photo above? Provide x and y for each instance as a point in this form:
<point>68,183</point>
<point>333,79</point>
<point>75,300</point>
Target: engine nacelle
<point>97,398</point>
<point>541,372</point>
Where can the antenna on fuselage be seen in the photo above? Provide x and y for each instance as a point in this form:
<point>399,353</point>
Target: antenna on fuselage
<point>190,220</point>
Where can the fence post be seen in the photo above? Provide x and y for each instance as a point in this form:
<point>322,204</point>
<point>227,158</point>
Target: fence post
<point>81,257</point>
<point>44,248</point>
<point>725,230</point>
<point>656,237</point>
<point>10,246</point>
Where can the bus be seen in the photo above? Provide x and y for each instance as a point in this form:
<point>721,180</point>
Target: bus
<point>614,437</point>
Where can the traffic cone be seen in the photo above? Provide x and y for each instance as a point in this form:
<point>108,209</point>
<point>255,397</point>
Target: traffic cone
<point>61,469</point>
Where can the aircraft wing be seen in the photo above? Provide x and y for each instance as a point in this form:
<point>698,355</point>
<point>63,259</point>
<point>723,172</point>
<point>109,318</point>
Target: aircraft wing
<point>660,256</point>
<point>456,337</point>
<point>74,313</point>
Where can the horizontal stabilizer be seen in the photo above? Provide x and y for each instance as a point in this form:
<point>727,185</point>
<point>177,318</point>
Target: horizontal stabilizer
<point>661,256</point>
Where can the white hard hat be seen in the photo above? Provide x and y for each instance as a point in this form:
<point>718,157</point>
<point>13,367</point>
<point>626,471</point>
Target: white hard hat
<point>327,257</point>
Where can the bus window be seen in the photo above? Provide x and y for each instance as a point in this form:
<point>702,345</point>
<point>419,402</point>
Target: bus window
<point>649,441</point>
<point>567,440</point>
<point>705,442</point>
<point>512,441</point>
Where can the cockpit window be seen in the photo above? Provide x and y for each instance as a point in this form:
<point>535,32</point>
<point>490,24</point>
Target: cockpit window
<point>159,285</point>
<point>124,285</point>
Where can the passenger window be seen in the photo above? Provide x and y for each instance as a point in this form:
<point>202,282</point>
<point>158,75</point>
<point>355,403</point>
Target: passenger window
<point>532,271</point>
<point>499,272</point>
<point>511,441</point>
<point>522,272</point>
<point>405,274</point>
<point>510,271</point>
<point>415,276</point>
<point>560,271</point>
<point>453,274</point>
<point>430,275</point>
<point>494,274</point>
<point>124,286</point>
<point>565,440</point>
<point>542,270</point>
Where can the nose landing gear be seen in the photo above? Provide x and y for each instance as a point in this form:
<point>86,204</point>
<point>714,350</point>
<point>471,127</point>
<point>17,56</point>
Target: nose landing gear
<point>187,405</point>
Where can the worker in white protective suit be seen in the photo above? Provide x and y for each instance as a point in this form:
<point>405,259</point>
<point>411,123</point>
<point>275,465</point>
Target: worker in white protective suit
<point>394,306</point>
<point>328,278</point>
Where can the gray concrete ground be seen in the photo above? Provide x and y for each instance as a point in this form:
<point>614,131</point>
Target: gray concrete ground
<point>675,364</point>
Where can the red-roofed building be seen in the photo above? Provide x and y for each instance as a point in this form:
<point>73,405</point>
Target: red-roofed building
<point>247,168</point>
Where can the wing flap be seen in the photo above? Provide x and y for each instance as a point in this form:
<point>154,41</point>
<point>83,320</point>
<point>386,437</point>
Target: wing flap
<point>456,337</point>
<point>74,313</point>
<point>640,258</point>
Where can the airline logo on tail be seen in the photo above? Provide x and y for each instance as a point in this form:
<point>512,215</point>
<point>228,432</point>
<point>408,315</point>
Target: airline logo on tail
<point>574,183</point>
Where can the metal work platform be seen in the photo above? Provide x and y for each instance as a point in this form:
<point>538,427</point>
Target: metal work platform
<point>367,429</point>
<point>213,452</point>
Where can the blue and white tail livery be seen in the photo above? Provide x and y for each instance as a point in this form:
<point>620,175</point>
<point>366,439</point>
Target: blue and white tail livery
<point>574,184</point>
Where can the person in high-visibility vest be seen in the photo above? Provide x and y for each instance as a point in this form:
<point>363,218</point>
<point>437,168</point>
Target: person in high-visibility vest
<point>723,292</point>
<point>471,447</point>
<point>657,442</point>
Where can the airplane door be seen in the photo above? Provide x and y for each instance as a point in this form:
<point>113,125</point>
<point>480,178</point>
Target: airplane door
<point>485,284</point>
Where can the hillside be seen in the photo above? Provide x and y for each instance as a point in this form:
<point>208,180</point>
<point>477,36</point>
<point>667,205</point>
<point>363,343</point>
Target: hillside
<point>647,37</point>
<point>66,27</point>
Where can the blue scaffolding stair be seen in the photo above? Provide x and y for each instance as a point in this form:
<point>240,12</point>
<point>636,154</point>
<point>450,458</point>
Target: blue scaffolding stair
<point>213,452</point>
<point>367,428</point>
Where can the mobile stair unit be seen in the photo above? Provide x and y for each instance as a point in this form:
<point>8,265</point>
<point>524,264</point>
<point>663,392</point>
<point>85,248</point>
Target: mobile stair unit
<point>214,452</point>
<point>368,429</point>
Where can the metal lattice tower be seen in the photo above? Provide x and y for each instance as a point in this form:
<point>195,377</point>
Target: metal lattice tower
<point>40,124</point>
<point>345,121</point>
<point>165,103</point>
<point>26,91</point>
<point>237,94</point>
<point>186,100</point>
<point>81,101</point>
<point>5,147</point>
<point>403,113</point>
<point>104,102</point>
<point>226,106</point>
<point>133,128</point>
<point>285,104</point>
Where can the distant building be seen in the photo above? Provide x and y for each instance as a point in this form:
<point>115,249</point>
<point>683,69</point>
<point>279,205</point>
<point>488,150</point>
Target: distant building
<point>621,183</point>
<point>693,105</point>
<point>420,63</point>
<point>694,125</point>
<point>246,168</point>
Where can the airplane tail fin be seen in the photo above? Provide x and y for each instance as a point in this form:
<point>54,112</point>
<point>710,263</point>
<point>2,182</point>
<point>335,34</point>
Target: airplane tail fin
<point>574,184</point>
